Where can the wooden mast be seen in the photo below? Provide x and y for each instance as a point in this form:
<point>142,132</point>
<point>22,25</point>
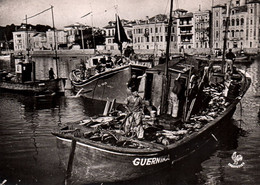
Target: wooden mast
<point>225,36</point>
<point>166,74</point>
<point>55,42</point>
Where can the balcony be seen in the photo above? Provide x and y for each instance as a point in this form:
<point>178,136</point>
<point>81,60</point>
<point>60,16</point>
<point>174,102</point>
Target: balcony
<point>186,33</point>
<point>185,25</point>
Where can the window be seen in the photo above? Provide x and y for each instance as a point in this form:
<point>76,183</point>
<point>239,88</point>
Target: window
<point>161,38</point>
<point>216,14</point>
<point>232,33</point>
<point>156,30</point>
<point>237,22</point>
<point>233,22</point>
<point>242,21</point>
<point>216,23</point>
<point>217,34</point>
<point>251,10</point>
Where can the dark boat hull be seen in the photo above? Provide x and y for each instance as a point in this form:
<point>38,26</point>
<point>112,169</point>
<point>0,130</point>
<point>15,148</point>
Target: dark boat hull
<point>108,85</point>
<point>34,87</point>
<point>95,163</point>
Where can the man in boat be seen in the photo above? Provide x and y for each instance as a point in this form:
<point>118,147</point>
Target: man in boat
<point>82,70</point>
<point>109,63</point>
<point>51,74</point>
<point>174,98</point>
<point>133,83</point>
<point>133,124</point>
<point>230,57</point>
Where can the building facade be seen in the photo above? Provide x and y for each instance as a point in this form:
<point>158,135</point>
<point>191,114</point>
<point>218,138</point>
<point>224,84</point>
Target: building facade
<point>202,29</point>
<point>110,34</point>
<point>23,39</point>
<point>151,34</point>
<point>243,27</point>
<point>61,38</point>
<point>185,29</point>
<point>40,41</point>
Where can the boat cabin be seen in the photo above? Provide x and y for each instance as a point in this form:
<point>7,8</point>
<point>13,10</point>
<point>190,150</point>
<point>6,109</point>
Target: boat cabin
<point>154,80</point>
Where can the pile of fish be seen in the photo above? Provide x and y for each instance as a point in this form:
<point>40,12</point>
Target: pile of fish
<point>109,129</point>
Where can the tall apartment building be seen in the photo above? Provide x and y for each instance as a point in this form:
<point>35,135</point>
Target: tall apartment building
<point>202,22</point>
<point>243,27</point>
<point>151,34</point>
<point>23,39</point>
<point>185,29</point>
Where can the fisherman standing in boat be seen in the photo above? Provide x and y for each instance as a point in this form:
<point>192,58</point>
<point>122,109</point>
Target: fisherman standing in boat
<point>51,74</point>
<point>133,124</point>
<point>230,57</point>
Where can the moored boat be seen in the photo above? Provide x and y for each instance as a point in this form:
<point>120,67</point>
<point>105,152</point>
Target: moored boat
<point>31,87</point>
<point>102,153</point>
<point>107,85</point>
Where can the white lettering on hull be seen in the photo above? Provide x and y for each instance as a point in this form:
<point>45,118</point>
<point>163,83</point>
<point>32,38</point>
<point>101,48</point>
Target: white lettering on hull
<point>150,161</point>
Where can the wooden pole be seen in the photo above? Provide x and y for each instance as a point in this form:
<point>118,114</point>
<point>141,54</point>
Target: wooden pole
<point>225,37</point>
<point>70,162</point>
<point>166,75</point>
<point>55,42</point>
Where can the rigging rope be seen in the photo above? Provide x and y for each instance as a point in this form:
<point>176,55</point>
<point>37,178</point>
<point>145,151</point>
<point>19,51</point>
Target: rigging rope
<point>39,13</point>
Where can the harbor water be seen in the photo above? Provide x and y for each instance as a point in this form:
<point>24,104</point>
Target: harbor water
<point>29,156</point>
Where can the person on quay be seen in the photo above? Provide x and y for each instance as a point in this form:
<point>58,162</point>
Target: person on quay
<point>51,74</point>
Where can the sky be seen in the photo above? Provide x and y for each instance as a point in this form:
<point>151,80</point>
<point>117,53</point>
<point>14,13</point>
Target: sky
<point>68,12</point>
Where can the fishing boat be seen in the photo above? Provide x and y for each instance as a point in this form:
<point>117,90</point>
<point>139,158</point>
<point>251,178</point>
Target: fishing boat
<point>97,149</point>
<point>31,87</point>
<point>109,83</point>
<point>23,79</point>
<point>105,85</point>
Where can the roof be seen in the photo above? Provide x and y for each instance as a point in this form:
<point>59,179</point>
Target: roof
<point>219,6</point>
<point>175,65</point>
<point>253,1</point>
<point>40,34</point>
<point>180,10</point>
<point>186,15</point>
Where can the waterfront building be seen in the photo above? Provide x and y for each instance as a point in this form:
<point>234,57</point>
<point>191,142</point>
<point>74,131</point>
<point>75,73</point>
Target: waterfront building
<point>40,41</point>
<point>61,38</point>
<point>202,29</point>
<point>243,27</point>
<point>23,38</point>
<point>150,35</point>
<point>110,34</point>
<point>185,29</point>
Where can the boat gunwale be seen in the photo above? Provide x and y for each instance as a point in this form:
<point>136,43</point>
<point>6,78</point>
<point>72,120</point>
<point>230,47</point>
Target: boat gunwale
<point>104,74</point>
